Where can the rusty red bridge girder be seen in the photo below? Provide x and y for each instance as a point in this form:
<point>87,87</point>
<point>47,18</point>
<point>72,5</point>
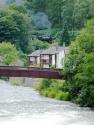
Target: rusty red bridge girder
<point>33,72</point>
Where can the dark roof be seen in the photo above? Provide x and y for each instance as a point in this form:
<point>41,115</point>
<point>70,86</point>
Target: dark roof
<point>52,51</point>
<point>36,53</point>
<point>55,50</point>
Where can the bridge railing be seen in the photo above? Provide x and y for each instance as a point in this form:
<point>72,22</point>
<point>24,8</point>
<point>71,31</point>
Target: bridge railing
<point>28,68</point>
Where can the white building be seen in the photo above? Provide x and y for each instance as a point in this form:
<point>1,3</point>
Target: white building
<point>49,58</point>
<point>34,58</point>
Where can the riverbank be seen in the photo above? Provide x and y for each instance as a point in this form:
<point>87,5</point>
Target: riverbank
<point>52,89</point>
<point>60,90</point>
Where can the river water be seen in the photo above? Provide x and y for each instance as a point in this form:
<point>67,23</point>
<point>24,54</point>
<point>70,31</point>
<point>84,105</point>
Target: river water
<point>24,106</point>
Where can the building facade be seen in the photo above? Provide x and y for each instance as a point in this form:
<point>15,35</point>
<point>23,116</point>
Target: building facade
<point>50,58</point>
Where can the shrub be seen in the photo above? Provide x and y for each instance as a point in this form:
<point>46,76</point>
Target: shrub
<point>63,96</point>
<point>45,83</point>
<point>66,96</point>
<point>59,96</point>
<point>44,93</point>
<point>53,89</point>
<point>52,94</point>
<point>86,97</point>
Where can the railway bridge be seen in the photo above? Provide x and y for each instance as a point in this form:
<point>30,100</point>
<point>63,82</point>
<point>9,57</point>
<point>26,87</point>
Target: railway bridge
<point>33,72</point>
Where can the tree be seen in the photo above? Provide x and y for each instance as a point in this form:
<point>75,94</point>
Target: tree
<point>68,13</point>
<point>20,8</point>
<point>8,53</point>
<point>65,36</point>
<point>37,44</point>
<point>91,5</point>
<point>73,12</point>
<point>15,27</point>
<point>36,5</point>
<point>81,12</point>
<point>54,9</point>
<point>79,66</point>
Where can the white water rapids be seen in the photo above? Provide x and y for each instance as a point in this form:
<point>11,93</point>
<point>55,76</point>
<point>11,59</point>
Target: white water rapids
<point>24,106</point>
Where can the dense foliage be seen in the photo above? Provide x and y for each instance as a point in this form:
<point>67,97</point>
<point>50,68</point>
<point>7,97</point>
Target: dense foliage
<point>67,17</point>
<point>15,27</point>
<point>79,67</point>
<point>65,38</point>
<point>73,12</point>
<point>8,53</point>
<point>37,44</point>
<point>53,89</point>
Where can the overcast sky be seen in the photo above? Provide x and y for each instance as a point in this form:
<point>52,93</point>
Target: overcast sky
<point>2,2</point>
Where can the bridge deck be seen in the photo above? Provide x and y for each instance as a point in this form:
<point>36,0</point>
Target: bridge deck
<point>34,72</point>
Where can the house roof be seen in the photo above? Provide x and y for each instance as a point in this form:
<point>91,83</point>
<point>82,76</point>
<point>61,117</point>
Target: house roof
<point>52,50</point>
<point>55,50</point>
<point>36,53</point>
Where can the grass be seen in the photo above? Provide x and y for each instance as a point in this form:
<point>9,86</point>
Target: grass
<point>16,81</point>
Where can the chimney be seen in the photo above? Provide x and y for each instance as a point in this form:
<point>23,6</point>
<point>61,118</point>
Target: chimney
<point>57,47</point>
<point>64,46</point>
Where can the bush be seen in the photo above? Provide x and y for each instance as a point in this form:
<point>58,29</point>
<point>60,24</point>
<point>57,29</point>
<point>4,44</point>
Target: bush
<point>44,93</point>
<point>36,45</point>
<point>66,96</point>
<point>59,96</point>
<point>8,53</point>
<point>53,89</point>
<point>86,97</point>
<point>63,96</point>
<point>45,83</point>
<point>52,94</point>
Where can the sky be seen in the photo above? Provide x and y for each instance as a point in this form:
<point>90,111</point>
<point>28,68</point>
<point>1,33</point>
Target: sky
<point>2,2</point>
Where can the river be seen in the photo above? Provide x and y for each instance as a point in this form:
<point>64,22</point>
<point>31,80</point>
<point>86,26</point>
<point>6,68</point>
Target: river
<point>24,106</point>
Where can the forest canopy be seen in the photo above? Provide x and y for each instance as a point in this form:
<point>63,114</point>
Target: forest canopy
<point>73,12</point>
<point>15,26</point>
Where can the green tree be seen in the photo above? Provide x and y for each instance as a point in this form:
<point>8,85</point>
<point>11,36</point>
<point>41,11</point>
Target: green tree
<point>91,8</point>
<point>74,12</point>
<point>15,27</point>
<point>81,12</point>
<point>79,66</point>
<point>68,13</point>
<point>37,44</point>
<point>65,36</point>
<point>8,53</point>
<point>54,9</point>
<point>36,5</point>
<point>20,8</point>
